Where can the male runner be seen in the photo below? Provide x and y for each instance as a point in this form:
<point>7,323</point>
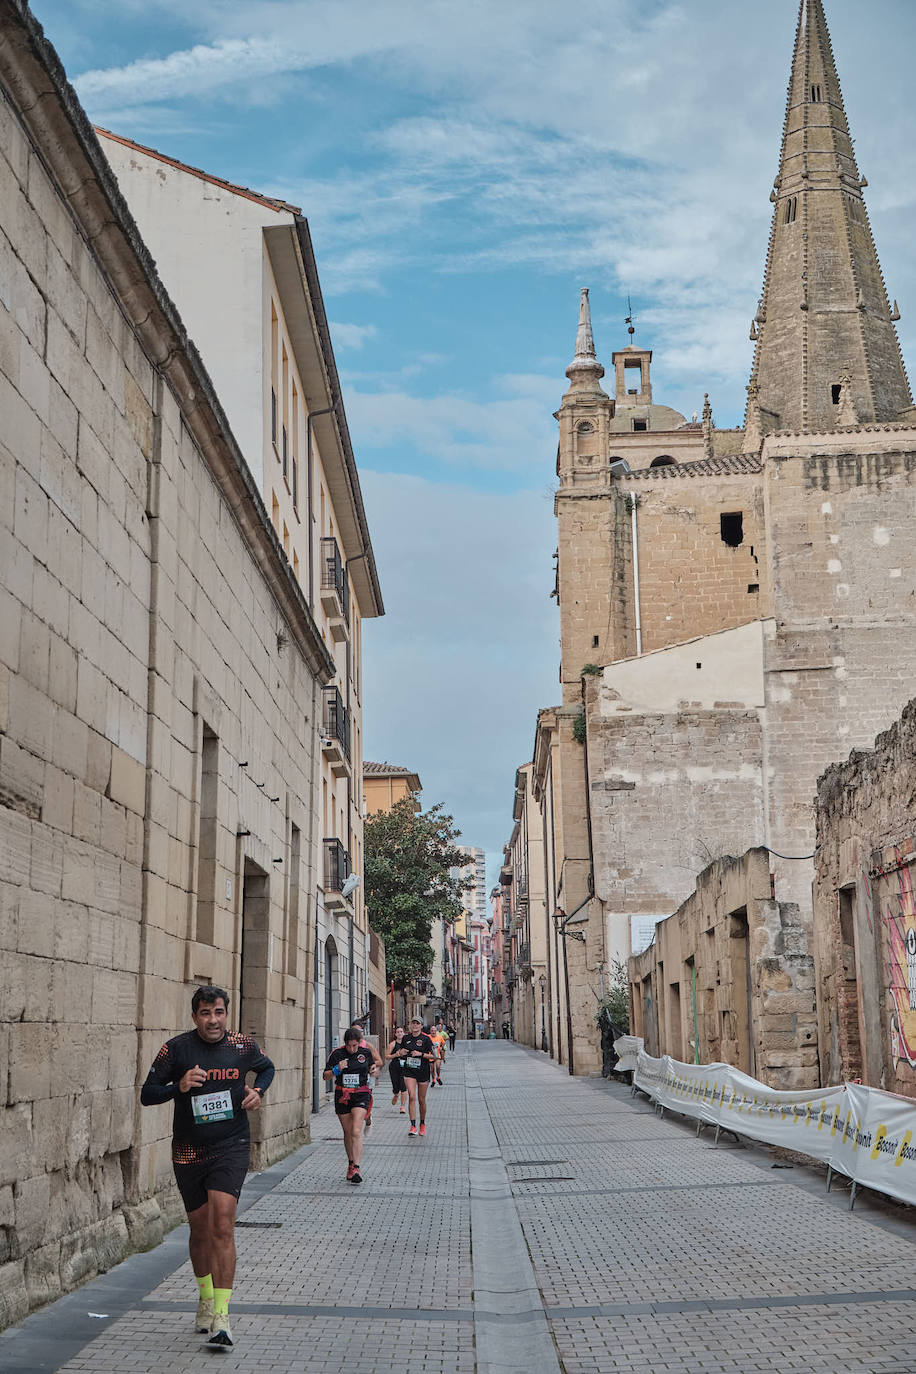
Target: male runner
<point>416,1054</point>
<point>350,1068</point>
<point>203,1072</point>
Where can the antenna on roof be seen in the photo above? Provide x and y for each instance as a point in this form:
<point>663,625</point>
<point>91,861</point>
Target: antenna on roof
<point>631,328</point>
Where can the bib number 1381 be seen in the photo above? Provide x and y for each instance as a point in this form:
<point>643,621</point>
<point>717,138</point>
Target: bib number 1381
<point>209,1107</point>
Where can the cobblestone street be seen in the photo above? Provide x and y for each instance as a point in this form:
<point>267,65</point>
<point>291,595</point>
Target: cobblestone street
<point>545,1224</point>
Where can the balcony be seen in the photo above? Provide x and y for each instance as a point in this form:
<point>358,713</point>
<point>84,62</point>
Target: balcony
<point>335,739</point>
<point>335,594</point>
<point>336,872</point>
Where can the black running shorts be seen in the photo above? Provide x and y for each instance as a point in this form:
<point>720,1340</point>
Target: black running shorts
<point>223,1173</point>
<point>356,1099</point>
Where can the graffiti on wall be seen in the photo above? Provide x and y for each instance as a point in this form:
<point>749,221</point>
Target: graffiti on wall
<point>899,921</point>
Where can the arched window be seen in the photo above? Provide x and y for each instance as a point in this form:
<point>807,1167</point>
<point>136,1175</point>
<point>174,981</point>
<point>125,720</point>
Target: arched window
<point>664,460</point>
<point>585,427</point>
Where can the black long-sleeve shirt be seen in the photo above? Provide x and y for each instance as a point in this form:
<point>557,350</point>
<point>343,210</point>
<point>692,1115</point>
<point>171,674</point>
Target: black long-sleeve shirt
<point>207,1118</point>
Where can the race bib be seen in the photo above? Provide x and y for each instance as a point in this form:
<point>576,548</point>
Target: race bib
<point>209,1107</point>
<point>350,1080</point>
<point>414,1061</point>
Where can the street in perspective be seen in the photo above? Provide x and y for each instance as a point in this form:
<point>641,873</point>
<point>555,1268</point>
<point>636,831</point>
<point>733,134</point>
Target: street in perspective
<point>545,1223</point>
<point>457,687</point>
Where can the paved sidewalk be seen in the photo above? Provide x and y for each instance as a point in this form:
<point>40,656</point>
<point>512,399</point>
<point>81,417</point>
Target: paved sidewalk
<point>545,1224</point>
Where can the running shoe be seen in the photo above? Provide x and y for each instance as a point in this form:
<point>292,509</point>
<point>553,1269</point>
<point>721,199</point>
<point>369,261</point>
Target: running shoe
<point>204,1316</point>
<point>403,1111</point>
<point>394,1101</point>
<point>423,1128</point>
<point>413,1129</point>
<point>220,1335</point>
<point>351,1170</point>
<point>356,1177</point>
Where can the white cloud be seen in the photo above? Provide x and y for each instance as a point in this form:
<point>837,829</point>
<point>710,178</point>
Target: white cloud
<point>352,335</point>
<point>508,434</point>
<point>468,648</point>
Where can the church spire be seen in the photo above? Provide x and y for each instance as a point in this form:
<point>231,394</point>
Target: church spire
<point>585,371</point>
<point>826,349</point>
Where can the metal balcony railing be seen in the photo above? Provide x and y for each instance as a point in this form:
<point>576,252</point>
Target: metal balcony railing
<point>336,865</point>
<point>337,720</point>
<point>334,574</point>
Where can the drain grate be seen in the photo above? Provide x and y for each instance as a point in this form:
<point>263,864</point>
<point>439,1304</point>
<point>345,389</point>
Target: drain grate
<point>261,1225</point>
<point>550,1178</point>
<point>533,1163</point>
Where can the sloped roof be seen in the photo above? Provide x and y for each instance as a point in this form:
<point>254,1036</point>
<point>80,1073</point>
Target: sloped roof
<point>700,467</point>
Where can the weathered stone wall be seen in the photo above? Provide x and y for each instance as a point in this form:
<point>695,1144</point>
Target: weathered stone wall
<point>865,912</point>
<point>691,581</point>
<point>730,978</point>
<point>157,714</point>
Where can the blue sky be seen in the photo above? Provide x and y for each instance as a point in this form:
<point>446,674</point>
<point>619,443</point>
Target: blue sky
<point>466,166</point>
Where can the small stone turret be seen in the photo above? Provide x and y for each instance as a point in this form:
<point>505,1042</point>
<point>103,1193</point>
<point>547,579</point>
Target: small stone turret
<point>585,412</point>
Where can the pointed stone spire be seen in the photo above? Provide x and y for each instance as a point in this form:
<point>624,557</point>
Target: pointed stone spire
<point>824,309</point>
<point>708,427</point>
<point>585,371</point>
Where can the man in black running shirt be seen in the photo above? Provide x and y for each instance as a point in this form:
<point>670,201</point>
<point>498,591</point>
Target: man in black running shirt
<point>204,1074</point>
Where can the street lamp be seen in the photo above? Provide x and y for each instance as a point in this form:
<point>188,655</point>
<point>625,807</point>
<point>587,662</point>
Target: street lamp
<point>543,982</point>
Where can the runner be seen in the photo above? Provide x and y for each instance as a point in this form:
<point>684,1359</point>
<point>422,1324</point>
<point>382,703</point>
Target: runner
<point>437,1036</point>
<point>396,1070</point>
<point>203,1072</point>
<point>350,1067</point>
<point>416,1053</point>
<point>363,1044</point>
<point>452,1036</point>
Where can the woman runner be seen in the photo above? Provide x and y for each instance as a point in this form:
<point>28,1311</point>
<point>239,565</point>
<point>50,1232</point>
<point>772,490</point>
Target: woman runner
<point>350,1067</point>
<point>416,1053</point>
<point>396,1070</point>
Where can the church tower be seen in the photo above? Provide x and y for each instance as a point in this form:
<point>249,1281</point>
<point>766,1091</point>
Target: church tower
<point>827,354</point>
<point>585,411</point>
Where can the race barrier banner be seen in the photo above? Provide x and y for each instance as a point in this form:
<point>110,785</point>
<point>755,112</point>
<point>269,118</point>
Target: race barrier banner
<point>863,1133</point>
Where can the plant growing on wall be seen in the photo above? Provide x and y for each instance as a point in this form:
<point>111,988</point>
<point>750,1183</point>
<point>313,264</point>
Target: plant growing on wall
<point>578,728</point>
<point>615,1003</point>
<point>408,855</point>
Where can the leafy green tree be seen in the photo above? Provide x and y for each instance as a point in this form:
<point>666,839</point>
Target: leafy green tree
<point>407,857</point>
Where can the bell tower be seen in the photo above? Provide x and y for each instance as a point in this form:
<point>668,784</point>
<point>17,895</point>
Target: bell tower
<point>827,354</point>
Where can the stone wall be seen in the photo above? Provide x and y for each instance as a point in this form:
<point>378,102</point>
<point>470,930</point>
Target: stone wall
<point>730,978</point>
<point>158,678</point>
<point>865,913</point>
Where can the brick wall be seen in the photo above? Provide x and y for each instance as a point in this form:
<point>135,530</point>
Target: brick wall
<point>140,615</point>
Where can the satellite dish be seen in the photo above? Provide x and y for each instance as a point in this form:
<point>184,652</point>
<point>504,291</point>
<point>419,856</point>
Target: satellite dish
<point>350,885</point>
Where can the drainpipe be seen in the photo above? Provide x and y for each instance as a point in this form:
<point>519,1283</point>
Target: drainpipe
<point>312,415</point>
<point>634,501</point>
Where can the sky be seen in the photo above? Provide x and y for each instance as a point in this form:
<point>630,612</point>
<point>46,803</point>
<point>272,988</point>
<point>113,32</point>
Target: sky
<point>466,166</point>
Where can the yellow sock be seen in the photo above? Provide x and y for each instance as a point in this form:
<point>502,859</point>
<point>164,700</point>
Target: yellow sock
<point>221,1298</point>
<point>205,1285</point>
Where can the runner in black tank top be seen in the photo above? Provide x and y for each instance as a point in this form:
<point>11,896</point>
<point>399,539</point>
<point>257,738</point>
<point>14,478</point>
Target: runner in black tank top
<point>416,1053</point>
<point>351,1068</point>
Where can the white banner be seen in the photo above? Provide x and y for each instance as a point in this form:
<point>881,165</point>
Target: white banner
<point>863,1133</point>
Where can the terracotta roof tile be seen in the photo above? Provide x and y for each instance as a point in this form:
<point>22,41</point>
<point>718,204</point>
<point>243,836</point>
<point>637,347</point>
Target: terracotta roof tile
<point>701,467</point>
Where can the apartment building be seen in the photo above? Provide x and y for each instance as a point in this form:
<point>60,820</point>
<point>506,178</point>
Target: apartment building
<point>242,271</point>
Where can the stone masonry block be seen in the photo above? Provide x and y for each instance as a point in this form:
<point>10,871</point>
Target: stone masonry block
<point>31,1047</point>
<point>46,870</point>
<point>31,1196</point>
<point>127,782</point>
<point>15,1141</point>
<point>21,783</point>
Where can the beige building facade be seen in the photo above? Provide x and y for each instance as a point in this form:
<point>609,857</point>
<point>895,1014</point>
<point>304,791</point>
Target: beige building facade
<point>162,677</point>
<point>241,269</point>
<point>736,607</point>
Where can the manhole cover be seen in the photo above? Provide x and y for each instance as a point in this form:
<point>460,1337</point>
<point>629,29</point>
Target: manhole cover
<point>263,1225</point>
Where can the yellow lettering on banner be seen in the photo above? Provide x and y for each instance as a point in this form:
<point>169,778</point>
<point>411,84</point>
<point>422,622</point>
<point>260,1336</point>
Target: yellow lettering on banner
<point>836,1117</point>
<point>902,1152</point>
<point>795,1115</point>
<point>880,1133</point>
<point>855,1137</point>
<point>820,1119</point>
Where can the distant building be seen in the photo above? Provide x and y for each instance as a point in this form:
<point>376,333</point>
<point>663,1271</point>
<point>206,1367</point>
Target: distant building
<point>385,784</point>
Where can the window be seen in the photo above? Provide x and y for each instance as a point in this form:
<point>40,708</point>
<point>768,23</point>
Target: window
<point>275,511</point>
<point>295,484</point>
<point>731,528</point>
<point>791,209</point>
<point>585,427</point>
<point>664,460</point>
<point>628,370</point>
<point>273,417</point>
<point>816,95</point>
<point>836,391</point>
<point>285,455</point>
<point>640,426</point>
<point>285,539</point>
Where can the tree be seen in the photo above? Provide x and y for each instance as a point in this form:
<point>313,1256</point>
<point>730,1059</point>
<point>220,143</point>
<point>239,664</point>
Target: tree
<point>408,854</point>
